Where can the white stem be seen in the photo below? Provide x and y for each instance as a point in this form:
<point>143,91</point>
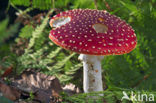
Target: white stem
<point>92,80</point>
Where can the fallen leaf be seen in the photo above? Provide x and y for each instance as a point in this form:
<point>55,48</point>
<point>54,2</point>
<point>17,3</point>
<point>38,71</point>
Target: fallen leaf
<point>43,87</point>
<point>7,72</point>
<point>71,89</point>
<point>9,92</point>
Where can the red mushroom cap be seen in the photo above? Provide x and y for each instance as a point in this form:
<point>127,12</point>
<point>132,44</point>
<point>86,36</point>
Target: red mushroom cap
<point>93,32</point>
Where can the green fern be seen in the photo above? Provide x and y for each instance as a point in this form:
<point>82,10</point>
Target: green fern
<point>73,69</point>
<point>41,4</point>
<point>54,53</point>
<point>69,74</point>
<point>38,31</point>
<point>60,64</point>
<point>83,4</point>
<point>111,95</point>
<point>26,32</point>
<point>5,32</point>
<point>21,2</point>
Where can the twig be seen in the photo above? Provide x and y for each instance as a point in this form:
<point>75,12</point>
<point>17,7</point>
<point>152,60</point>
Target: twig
<point>95,4</point>
<point>53,3</point>
<point>8,7</point>
<point>107,5</point>
<point>140,81</point>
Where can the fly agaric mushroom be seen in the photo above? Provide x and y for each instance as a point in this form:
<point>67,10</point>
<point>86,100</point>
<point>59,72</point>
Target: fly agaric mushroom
<point>93,34</point>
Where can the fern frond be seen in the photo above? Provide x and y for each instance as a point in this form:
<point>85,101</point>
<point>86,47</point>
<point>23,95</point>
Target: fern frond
<point>64,78</point>
<point>26,32</point>
<point>60,64</point>
<point>73,69</point>
<point>21,2</point>
<point>70,73</point>
<point>31,60</point>
<point>48,59</point>
<point>41,4</point>
<point>54,53</point>
<point>39,29</point>
<point>7,32</point>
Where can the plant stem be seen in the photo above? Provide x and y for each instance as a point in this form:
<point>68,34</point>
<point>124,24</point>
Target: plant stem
<point>92,80</point>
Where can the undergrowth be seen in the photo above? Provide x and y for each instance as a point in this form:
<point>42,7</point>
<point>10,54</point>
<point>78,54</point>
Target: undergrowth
<point>33,49</point>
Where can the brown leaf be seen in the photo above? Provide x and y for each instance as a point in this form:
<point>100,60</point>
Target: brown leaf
<point>42,86</point>
<point>7,72</point>
<point>9,92</point>
<point>107,5</point>
<point>71,89</point>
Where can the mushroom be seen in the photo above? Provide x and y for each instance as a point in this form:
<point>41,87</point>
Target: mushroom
<point>93,34</point>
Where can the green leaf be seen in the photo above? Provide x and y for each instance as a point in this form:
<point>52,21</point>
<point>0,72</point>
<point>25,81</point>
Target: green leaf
<point>6,32</point>
<point>21,2</point>
<point>41,4</point>
<point>26,32</point>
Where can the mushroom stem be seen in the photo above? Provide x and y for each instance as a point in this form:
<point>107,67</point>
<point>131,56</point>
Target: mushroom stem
<point>92,74</point>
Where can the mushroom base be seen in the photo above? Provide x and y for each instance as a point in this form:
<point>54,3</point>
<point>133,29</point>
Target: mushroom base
<point>92,80</point>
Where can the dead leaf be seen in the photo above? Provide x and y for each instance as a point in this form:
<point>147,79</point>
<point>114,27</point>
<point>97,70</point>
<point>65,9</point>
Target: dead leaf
<point>7,72</point>
<point>9,92</point>
<point>43,87</point>
<point>71,89</point>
